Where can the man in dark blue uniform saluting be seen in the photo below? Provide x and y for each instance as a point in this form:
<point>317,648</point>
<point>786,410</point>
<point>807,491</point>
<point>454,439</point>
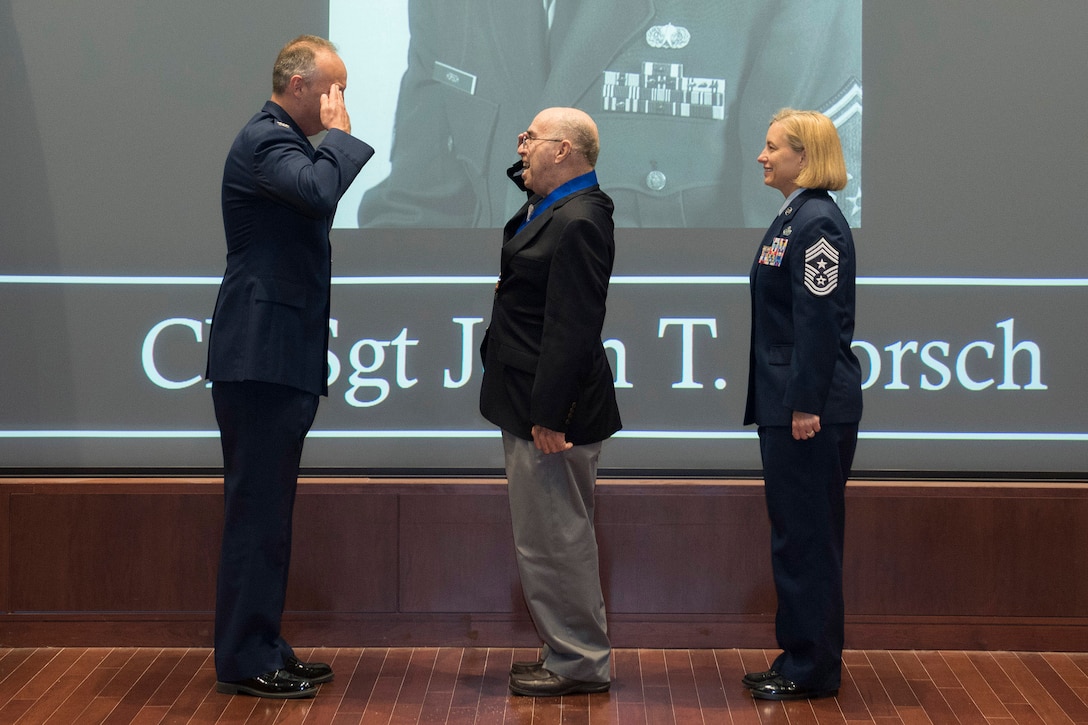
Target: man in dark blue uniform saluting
<point>268,351</point>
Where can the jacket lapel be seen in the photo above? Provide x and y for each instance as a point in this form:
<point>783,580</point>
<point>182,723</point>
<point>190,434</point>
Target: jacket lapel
<point>514,241</point>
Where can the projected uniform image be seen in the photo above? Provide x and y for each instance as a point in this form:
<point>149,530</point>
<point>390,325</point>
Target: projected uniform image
<point>682,90</point>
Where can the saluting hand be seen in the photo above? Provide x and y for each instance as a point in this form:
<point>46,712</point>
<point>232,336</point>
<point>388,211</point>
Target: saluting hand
<point>334,114</point>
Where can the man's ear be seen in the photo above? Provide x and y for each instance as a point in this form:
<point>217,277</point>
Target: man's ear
<point>296,84</point>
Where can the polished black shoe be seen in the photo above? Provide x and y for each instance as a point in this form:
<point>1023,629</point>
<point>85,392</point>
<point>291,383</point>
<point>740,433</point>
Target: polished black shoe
<point>755,679</point>
<point>544,683</point>
<point>525,668</point>
<point>277,684</point>
<point>315,672</point>
<point>779,688</point>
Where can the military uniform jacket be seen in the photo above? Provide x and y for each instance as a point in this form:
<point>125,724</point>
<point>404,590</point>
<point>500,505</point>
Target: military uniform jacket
<point>682,92</point>
<point>544,362</point>
<point>802,288</point>
<point>271,320</point>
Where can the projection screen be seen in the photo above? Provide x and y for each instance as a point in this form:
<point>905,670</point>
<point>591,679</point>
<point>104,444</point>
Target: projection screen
<point>966,144</point>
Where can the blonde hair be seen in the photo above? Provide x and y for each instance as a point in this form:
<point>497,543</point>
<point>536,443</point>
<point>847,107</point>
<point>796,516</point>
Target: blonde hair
<point>814,133</point>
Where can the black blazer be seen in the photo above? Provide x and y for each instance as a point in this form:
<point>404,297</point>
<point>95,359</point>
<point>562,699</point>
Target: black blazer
<point>271,321</point>
<point>803,317</point>
<point>544,363</point>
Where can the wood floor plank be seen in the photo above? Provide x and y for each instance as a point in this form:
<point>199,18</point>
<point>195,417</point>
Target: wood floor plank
<point>39,673</point>
<point>914,715</point>
<point>97,711</point>
<point>1024,714</point>
<point>893,681</point>
<point>1038,696</point>
<point>199,689</point>
<point>937,669</point>
<point>353,693</point>
<point>997,679</point>
<point>1080,659</point>
<point>1066,667</point>
<point>732,664</point>
<point>49,696</point>
<point>12,710</point>
<point>71,709</point>
<point>771,713</point>
<point>1056,687</point>
<point>575,710</point>
<point>627,677</point>
<point>149,676</point>
<point>547,711</point>
<point>604,709</point>
<point>861,696</point>
<point>467,687</point>
<point>383,696</point>
<point>707,681</point>
<point>828,710</point>
<point>682,688</point>
<point>10,660</point>
<point>129,673</point>
<point>976,685</point>
<point>519,711</point>
<point>962,706</point>
<point>932,701</point>
<point>182,679</point>
<point>495,686</point>
<point>800,712</point>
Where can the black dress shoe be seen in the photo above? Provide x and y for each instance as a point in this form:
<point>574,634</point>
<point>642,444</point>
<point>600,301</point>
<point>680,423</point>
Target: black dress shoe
<point>525,668</point>
<point>315,672</point>
<point>277,684</point>
<point>545,683</point>
<point>780,688</point>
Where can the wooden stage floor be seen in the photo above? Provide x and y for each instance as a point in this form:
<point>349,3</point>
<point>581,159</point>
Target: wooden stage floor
<point>453,685</point>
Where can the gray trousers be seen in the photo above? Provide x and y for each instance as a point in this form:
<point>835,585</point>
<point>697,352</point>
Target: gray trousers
<point>551,507</point>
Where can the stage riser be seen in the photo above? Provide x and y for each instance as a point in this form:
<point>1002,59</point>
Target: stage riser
<point>131,562</point>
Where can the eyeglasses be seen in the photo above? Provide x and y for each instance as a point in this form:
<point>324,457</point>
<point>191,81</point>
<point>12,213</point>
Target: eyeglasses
<point>525,137</point>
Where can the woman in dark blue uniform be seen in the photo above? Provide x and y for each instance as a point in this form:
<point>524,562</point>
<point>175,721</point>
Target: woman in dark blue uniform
<point>804,393</point>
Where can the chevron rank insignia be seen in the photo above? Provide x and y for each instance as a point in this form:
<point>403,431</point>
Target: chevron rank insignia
<point>821,268</point>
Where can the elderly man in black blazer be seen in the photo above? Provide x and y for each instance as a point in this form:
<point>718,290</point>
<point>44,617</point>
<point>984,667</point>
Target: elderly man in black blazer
<point>548,385</point>
<point>267,353</point>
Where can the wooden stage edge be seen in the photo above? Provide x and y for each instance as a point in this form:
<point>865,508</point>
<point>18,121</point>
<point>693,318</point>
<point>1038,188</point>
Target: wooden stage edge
<point>428,561</point>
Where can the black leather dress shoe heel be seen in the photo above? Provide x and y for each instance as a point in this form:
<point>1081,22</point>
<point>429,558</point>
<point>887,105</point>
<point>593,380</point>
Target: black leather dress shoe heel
<point>755,679</point>
<point>544,683</point>
<point>315,672</point>
<point>277,684</point>
<point>780,688</point>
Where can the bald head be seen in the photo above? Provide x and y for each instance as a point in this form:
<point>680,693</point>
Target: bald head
<point>562,143</point>
<point>579,128</point>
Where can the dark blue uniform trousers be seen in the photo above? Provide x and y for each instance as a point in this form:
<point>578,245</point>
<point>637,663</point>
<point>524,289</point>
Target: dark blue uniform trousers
<point>263,427</point>
<point>805,485</point>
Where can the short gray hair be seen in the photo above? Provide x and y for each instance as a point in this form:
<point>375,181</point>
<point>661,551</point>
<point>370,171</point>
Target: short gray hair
<point>298,58</point>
